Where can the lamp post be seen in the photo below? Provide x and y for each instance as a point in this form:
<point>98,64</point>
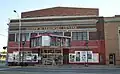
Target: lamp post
<point>23,43</point>
<point>19,31</point>
<point>87,53</point>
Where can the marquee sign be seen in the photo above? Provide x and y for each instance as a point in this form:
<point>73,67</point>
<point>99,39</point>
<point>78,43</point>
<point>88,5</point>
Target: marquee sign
<point>56,27</point>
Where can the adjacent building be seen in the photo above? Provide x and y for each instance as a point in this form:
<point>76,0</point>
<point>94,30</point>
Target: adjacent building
<point>93,39</point>
<point>112,39</point>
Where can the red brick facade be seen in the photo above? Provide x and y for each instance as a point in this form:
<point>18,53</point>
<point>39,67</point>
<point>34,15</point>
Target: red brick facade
<point>96,38</point>
<point>61,11</point>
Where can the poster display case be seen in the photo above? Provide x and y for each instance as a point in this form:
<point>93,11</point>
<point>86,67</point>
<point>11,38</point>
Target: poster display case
<point>83,56</point>
<point>24,57</point>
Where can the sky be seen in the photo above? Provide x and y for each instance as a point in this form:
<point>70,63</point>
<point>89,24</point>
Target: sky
<point>106,8</point>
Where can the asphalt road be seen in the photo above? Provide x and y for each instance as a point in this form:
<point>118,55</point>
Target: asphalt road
<point>26,70</point>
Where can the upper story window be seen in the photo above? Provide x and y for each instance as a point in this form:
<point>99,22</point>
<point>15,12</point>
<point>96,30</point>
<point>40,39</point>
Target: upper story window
<point>67,34</point>
<point>49,41</point>
<point>93,36</point>
<point>58,33</point>
<point>23,37</point>
<point>79,36</point>
<point>11,37</point>
<point>33,34</point>
<point>55,33</point>
<point>36,42</point>
<point>27,36</point>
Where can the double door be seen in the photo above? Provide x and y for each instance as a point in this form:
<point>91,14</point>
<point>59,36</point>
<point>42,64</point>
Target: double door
<point>51,56</point>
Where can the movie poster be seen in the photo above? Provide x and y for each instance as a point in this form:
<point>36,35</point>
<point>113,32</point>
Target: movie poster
<point>71,57</point>
<point>16,56</point>
<point>95,57</point>
<point>34,57</point>
<point>83,56</point>
<point>10,57</point>
<point>90,56</point>
<point>77,53</point>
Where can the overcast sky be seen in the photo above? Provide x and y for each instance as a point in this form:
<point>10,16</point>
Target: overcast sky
<point>106,8</point>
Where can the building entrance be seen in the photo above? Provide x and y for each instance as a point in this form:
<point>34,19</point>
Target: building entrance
<point>51,56</point>
<point>112,59</point>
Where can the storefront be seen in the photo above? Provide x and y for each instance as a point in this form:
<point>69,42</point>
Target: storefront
<point>83,57</point>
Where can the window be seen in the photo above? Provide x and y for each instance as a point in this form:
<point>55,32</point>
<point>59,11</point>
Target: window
<point>11,37</point>
<point>74,35</point>
<point>40,41</point>
<point>53,41</point>
<point>79,36</point>
<point>33,34</point>
<point>36,42</point>
<point>27,37</point>
<point>58,41</point>
<point>23,36</point>
<point>32,44</point>
<point>92,35</point>
<point>58,33</point>
<point>17,37</point>
<point>67,34</point>
<point>84,35</point>
<point>67,42</point>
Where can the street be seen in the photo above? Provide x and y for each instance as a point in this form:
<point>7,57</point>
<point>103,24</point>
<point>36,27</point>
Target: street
<point>57,70</point>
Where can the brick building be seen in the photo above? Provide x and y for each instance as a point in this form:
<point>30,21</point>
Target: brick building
<point>112,39</point>
<point>89,33</point>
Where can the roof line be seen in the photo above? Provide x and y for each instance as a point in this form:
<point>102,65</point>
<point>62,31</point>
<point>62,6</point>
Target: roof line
<point>56,17</point>
<point>58,7</point>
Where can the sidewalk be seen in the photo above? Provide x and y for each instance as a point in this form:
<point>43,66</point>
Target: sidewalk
<point>2,65</point>
<point>75,66</point>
